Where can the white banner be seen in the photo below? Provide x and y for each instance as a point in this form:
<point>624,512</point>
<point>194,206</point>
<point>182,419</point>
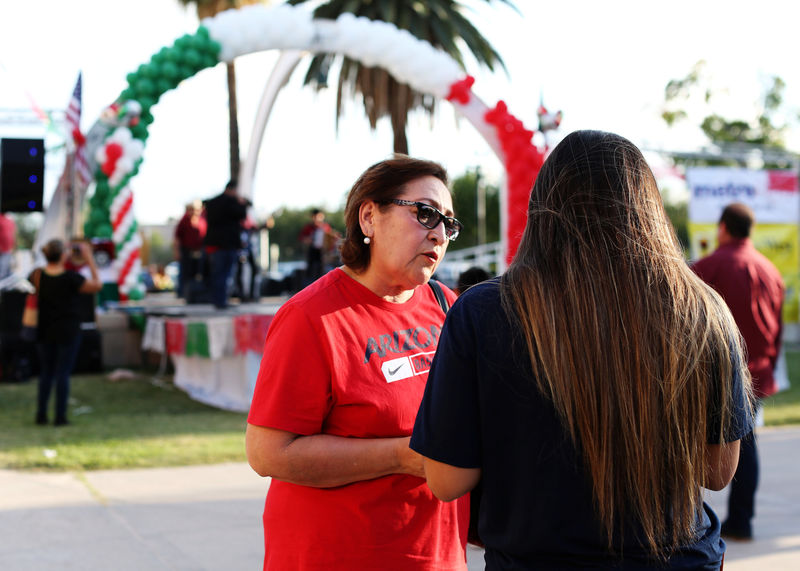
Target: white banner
<point>772,194</point>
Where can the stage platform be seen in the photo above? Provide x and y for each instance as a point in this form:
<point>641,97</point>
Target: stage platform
<point>214,354</point>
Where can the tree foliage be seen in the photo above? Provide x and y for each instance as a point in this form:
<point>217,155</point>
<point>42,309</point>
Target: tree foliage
<point>287,225</point>
<point>766,129</point>
<point>287,222</point>
<point>465,205</point>
<point>440,22</point>
<point>207,9</point>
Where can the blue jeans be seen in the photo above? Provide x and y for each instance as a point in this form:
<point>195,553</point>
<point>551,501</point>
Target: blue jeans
<point>222,262</point>
<point>56,363</point>
<point>741,502</point>
<point>189,266</point>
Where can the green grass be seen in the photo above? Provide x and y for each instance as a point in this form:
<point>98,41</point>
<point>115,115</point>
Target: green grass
<point>117,424</point>
<point>142,422</point>
<point>784,407</point>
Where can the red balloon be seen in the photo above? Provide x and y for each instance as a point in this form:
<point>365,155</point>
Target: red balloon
<point>113,151</point>
<point>108,167</point>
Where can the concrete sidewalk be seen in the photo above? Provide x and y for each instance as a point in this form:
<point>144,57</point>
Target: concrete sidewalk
<point>209,517</point>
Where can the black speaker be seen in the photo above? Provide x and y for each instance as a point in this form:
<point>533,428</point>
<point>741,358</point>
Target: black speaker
<point>21,175</point>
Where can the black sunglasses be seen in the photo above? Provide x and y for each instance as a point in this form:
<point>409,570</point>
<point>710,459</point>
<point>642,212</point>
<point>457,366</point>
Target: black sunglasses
<point>430,217</point>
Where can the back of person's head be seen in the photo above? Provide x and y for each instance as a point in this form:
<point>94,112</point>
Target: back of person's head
<point>53,251</point>
<point>231,187</point>
<point>381,182</point>
<point>738,219</point>
<point>470,277</point>
<point>621,334</point>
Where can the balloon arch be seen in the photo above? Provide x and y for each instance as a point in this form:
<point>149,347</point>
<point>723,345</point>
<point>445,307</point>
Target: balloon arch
<point>116,141</point>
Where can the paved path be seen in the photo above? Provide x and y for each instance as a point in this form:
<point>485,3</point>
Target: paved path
<point>209,517</point>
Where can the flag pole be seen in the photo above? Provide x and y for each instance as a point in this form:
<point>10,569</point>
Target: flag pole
<point>70,193</point>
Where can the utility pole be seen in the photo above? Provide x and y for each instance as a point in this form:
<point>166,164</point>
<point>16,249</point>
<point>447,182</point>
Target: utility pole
<point>480,206</point>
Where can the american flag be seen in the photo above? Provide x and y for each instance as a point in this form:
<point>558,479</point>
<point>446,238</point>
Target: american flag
<point>82,173</point>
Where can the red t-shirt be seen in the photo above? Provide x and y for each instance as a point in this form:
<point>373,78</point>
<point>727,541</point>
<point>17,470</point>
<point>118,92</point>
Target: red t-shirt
<point>190,235</point>
<point>753,289</point>
<point>8,233</point>
<point>340,360</point>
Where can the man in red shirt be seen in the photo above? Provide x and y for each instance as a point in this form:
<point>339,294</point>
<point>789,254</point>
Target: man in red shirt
<point>8,236</point>
<point>753,289</point>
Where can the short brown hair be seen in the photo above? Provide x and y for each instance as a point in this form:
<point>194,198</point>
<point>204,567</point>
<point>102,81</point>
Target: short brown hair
<point>381,182</point>
<point>738,219</point>
<point>53,250</point>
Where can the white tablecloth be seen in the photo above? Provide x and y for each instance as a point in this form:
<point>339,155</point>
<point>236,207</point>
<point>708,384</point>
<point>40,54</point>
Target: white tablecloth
<point>226,382</point>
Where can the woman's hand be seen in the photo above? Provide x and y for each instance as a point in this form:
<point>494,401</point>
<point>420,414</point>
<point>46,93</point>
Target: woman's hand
<point>410,461</point>
<point>86,251</point>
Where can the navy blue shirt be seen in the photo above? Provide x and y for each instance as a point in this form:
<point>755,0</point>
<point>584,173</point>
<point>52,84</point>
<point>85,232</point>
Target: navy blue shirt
<point>481,409</point>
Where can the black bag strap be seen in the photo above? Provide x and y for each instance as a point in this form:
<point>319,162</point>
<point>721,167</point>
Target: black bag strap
<point>439,294</point>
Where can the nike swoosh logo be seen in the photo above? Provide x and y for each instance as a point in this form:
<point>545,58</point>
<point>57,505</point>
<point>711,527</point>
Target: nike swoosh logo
<point>392,373</point>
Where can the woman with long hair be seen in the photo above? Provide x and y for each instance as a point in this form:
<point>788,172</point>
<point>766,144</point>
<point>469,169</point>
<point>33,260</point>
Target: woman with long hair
<point>595,387</point>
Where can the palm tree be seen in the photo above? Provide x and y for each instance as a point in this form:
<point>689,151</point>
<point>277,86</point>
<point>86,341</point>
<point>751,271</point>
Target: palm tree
<point>439,22</point>
<point>207,9</point>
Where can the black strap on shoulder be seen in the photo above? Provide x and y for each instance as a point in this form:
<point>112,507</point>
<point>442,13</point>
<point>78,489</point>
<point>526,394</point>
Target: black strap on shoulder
<point>439,293</point>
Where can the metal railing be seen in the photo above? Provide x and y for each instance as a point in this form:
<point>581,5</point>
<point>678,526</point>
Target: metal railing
<point>487,256</point>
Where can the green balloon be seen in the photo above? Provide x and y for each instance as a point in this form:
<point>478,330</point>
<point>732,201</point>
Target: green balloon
<point>132,78</point>
<point>184,71</point>
<point>184,42</point>
<point>161,56</point>
<point>170,55</point>
<point>97,216</point>
<point>214,47</point>
<point>146,102</point>
<point>139,131</point>
<point>104,230</point>
<point>192,58</point>
<point>136,294</point>
<point>170,71</point>
<point>145,87</point>
<point>149,70</point>
<point>210,60</point>
<point>163,85</point>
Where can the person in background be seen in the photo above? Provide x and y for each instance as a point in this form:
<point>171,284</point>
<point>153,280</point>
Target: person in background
<point>470,277</point>
<point>595,387</point>
<point>224,215</point>
<point>188,245</point>
<point>77,263</point>
<point>247,257</point>
<point>753,289</point>
<point>8,238</point>
<point>59,333</point>
<point>314,235</point>
<point>344,367</point>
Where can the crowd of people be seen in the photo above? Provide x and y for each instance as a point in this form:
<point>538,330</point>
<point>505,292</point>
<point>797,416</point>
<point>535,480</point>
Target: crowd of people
<point>565,414</point>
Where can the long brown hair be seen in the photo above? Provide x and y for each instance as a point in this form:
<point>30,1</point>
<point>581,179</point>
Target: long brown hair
<point>628,344</point>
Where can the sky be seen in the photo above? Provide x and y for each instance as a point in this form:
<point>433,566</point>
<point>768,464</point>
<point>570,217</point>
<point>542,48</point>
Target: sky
<point>603,64</point>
